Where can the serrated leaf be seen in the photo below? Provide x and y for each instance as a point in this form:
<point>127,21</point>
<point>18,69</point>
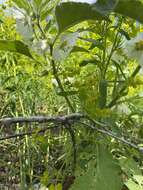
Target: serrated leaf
<point>15,46</point>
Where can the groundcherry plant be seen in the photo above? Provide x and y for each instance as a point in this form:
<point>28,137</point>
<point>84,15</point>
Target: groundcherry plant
<point>91,57</point>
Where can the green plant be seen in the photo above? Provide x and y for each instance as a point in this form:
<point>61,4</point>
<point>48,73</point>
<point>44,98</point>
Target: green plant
<point>63,61</point>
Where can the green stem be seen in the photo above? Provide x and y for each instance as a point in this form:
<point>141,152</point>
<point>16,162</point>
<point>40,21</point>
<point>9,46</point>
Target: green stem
<point>124,87</point>
<point>111,53</point>
<point>55,73</point>
<point>114,46</point>
<point>40,28</point>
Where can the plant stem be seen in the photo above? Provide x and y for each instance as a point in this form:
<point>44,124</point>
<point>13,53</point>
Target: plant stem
<point>40,28</point>
<point>124,87</point>
<point>55,73</point>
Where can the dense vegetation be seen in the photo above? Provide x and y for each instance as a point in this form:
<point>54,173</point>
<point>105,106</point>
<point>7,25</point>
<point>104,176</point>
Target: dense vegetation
<point>71,95</point>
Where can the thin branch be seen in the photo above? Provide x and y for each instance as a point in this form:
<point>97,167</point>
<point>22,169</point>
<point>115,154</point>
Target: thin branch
<point>20,135</point>
<point>42,119</point>
<point>40,28</point>
<point>113,135</point>
<point>30,133</point>
<point>64,120</point>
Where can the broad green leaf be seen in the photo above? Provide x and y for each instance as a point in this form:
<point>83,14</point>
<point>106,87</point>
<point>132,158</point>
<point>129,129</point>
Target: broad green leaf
<point>108,172</point>
<point>107,175</point>
<point>130,8</point>
<point>71,13</point>
<point>15,46</point>
<point>85,182</point>
<point>105,6</point>
<point>67,14</point>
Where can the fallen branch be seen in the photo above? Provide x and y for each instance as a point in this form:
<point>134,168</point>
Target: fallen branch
<point>64,120</point>
<point>42,119</point>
